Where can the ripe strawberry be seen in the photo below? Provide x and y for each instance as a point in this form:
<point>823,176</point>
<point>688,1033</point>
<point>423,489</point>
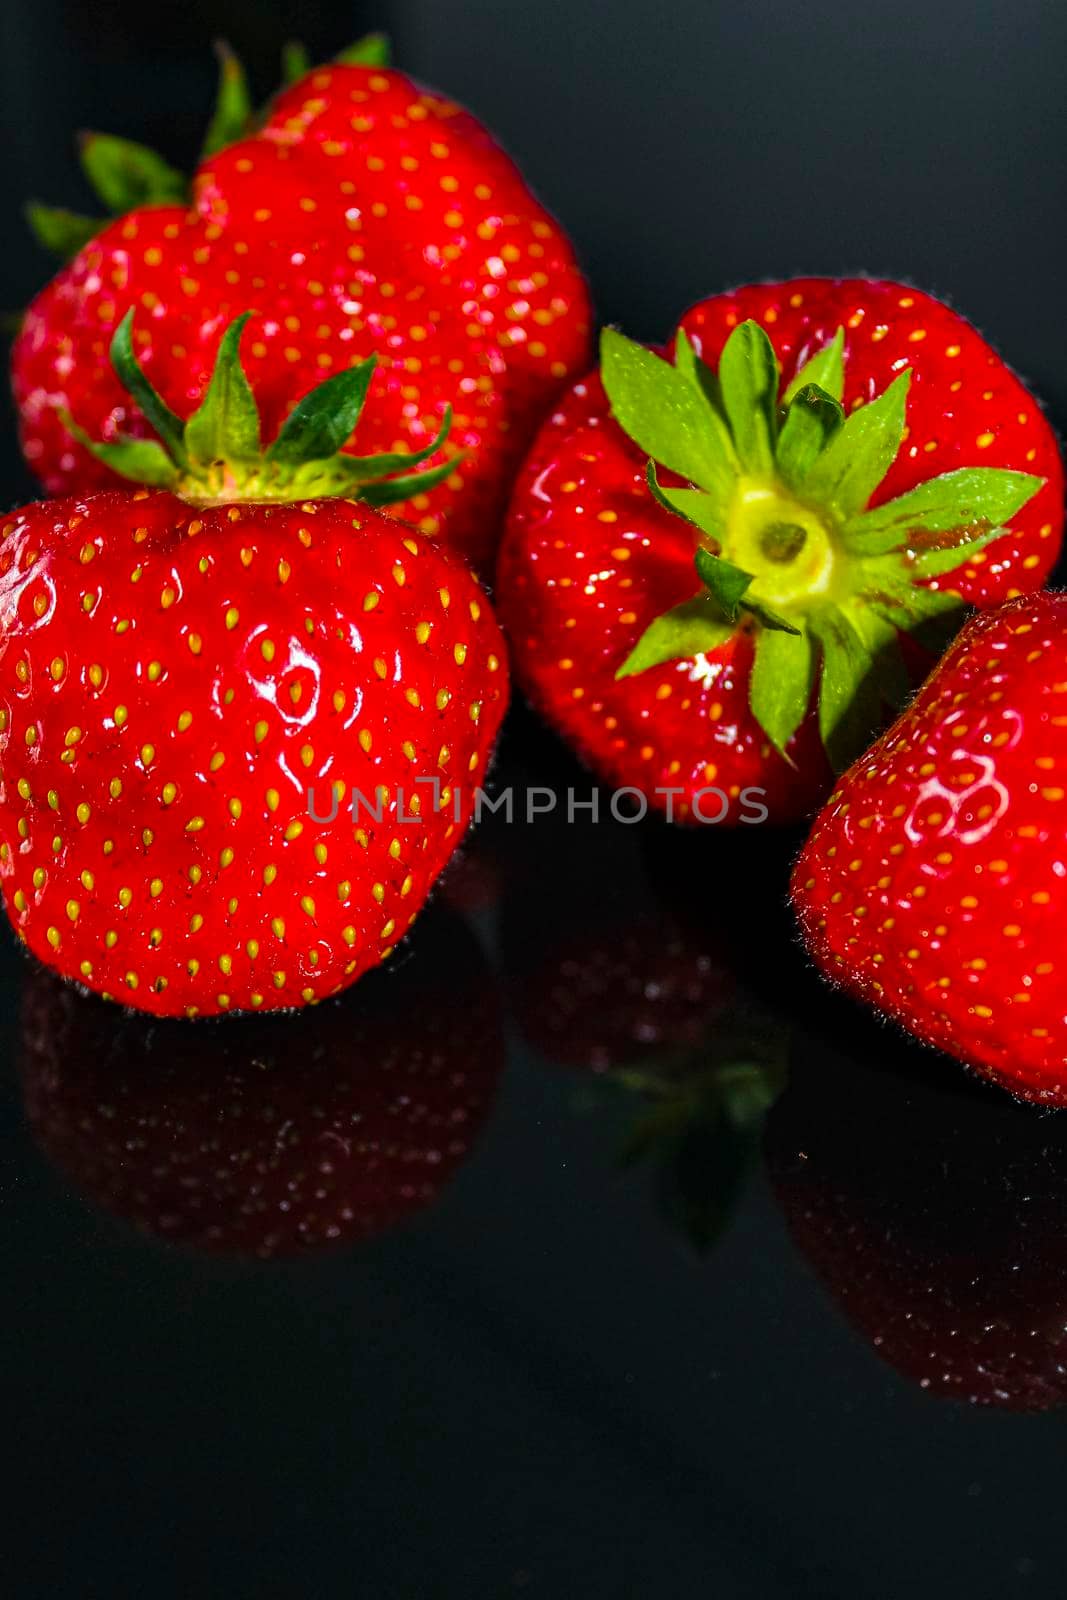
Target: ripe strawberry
<point>225,1138</point>
<point>366,216</point>
<point>180,667</point>
<point>933,1215</point>
<point>810,416</point>
<point>933,882</point>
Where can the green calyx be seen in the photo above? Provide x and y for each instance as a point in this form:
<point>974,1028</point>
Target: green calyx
<point>777,489</point>
<point>217,455</point>
<point>125,175</point>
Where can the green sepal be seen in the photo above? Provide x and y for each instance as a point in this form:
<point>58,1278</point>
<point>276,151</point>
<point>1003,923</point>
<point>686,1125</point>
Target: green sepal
<point>373,50</point>
<point>826,369</point>
<point>779,692</point>
<point>812,420</point>
<point>157,413</point>
<point>935,563</point>
<point>61,232</point>
<point>882,641</point>
<point>664,412</point>
<point>125,175</point>
<point>846,474</point>
<point>963,504</point>
<point>729,586</point>
<point>217,455</point>
<point>225,426</point>
<point>693,628</point>
<point>850,702</point>
<point>324,419</point>
<point>380,466</point>
<point>141,460</point>
<point>391,491</point>
<point>696,369</point>
<point>748,384</point>
<point>725,582</point>
<point>296,62</point>
<point>694,505</point>
<point>233,113</point>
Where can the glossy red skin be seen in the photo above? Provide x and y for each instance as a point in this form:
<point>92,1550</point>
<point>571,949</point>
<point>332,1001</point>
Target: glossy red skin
<point>589,559</point>
<point>239,1139</point>
<point>368,216</point>
<point>294,647</point>
<point>934,882</point>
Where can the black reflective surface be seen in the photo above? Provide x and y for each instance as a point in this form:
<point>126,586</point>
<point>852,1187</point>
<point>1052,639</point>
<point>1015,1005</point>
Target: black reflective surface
<point>596,1250</point>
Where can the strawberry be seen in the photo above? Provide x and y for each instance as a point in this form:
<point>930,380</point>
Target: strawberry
<point>932,885</point>
<point>787,455</point>
<point>366,216</point>
<point>217,704</point>
<point>224,1138</point>
<point>933,1214</point>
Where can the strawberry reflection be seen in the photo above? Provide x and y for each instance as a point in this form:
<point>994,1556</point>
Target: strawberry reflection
<point>934,1215</point>
<point>609,981</point>
<point>272,1136</point>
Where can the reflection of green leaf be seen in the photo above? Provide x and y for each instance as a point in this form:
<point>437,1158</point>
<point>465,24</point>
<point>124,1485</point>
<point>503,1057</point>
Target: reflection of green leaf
<point>698,1119</point>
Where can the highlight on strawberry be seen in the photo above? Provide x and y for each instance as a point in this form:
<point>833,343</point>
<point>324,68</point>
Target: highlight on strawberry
<point>724,569</point>
<point>363,215</point>
<point>182,666</point>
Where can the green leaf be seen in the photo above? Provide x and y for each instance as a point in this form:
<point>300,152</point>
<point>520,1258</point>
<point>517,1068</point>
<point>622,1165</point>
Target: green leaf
<point>232,116</point>
<point>125,175</point>
<point>325,419</point>
<point>393,490</point>
<point>860,454</point>
<point>891,586</point>
<point>961,504</point>
<point>226,425</point>
<point>373,50</point>
<point>812,420</point>
<point>882,640</point>
<point>296,63</point>
<point>61,232</point>
<point>157,413</point>
<point>781,684</point>
<point>748,382</point>
<point>727,583</point>
<point>850,707</point>
<point>694,505</point>
<point>364,468</point>
<point>826,368</point>
<point>729,586</point>
<point>141,460</point>
<point>935,563</point>
<point>691,629</point>
<point>706,382</point>
<point>665,413</point>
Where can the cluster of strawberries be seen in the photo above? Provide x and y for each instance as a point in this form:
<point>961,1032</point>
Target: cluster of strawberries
<point>722,566</point>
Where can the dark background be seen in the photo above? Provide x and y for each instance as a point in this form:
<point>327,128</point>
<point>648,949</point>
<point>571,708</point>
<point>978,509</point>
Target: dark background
<point>539,1387</point>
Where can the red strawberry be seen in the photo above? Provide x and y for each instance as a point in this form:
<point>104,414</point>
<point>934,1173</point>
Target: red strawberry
<point>188,678</point>
<point>935,1219</point>
<point>934,882</point>
<point>265,1136</point>
<point>817,530</point>
<point>366,216</point>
